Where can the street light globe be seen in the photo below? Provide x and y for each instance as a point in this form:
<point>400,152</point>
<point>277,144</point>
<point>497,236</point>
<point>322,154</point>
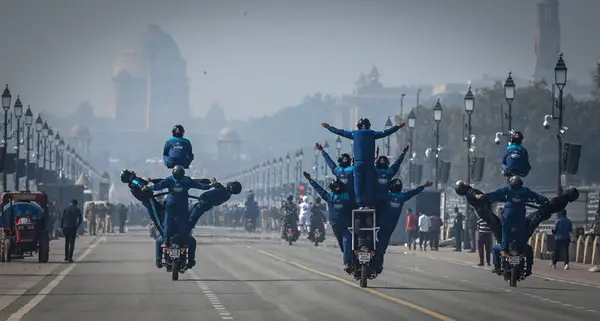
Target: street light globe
<point>412,119</point>
<point>57,137</point>
<point>18,108</point>
<point>469,101</point>
<point>338,143</point>
<point>6,97</point>
<point>45,130</point>
<point>388,123</point>
<point>509,88</point>
<point>28,116</point>
<point>39,123</point>
<point>301,154</point>
<point>326,146</point>
<point>287,158</point>
<point>437,111</point>
<point>560,73</point>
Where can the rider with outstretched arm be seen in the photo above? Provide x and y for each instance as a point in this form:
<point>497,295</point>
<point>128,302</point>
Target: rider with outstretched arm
<point>364,157</point>
<point>176,206</point>
<point>343,170</point>
<point>251,210</point>
<point>516,158</point>
<point>385,173</point>
<point>290,215</point>
<point>178,150</point>
<point>340,216</point>
<point>317,218</point>
<point>389,218</point>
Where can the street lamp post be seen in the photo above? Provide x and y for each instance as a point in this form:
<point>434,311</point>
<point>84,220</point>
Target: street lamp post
<point>316,169</point>
<point>509,96</point>
<point>338,146</point>
<point>300,158</point>
<point>61,150</point>
<point>412,120</point>
<point>50,148</point>
<point>56,154</point>
<point>280,171</point>
<point>401,106</point>
<point>326,149</point>
<point>287,169</point>
<point>28,147</point>
<point>6,99</point>
<point>437,117</point>
<point>469,108</point>
<point>297,169</point>
<point>38,129</point>
<point>388,125</point>
<point>45,134</point>
<point>18,114</point>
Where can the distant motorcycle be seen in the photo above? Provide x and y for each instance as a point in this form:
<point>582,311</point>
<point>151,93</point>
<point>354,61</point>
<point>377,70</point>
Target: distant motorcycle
<point>251,226</point>
<point>291,234</point>
<point>317,235</point>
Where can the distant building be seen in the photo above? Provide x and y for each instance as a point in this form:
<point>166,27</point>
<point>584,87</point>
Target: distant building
<point>150,83</point>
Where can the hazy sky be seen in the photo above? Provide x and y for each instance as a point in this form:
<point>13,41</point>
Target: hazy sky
<point>57,53</point>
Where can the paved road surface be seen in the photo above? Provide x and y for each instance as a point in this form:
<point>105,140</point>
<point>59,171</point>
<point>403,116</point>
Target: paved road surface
<point>242,277</point>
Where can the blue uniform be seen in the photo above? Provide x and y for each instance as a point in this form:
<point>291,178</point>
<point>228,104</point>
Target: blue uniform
<point>516,161</point>
<point>178,151</point>
<point>364,158</point>
<point>340,214</point>
<point>384,176</point>
<point>389,220</point>
<point>345,174</point>
<point>514,216</point>
<point>251,210</point>
<point>207,201</point>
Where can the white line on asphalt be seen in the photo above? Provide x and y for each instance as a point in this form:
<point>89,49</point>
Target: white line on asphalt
<point>17,316</point>
<point>214,300</point>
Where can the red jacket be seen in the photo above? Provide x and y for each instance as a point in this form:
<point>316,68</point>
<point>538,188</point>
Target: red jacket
<point>412,222</point>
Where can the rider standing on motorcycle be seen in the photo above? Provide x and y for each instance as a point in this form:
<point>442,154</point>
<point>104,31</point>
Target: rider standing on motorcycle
<point>364,157</point>
<point>317,219</point>
<point>385,173</point>
<point>340,216</point>
<point>290,215</point>
<point>343,170</point>
<point>305,212</point>
<point>176,207</point>
<point>514,196</point>
<point>516,158</point>
<point>178,150</point>
<point>390,217</point>
<point>251,210</point>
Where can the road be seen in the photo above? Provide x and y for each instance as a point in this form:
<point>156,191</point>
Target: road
<point>256,277</point>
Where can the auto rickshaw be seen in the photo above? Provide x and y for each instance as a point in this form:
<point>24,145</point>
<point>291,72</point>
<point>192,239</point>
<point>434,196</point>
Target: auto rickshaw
<point>23,229</point>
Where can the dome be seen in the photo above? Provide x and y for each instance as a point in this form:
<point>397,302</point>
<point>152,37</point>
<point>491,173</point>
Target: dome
<point>228,134</point>
<point>80,131</point>
<point>131,63</point>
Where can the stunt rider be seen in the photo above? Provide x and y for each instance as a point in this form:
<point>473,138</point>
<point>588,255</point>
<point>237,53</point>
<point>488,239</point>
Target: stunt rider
<point>385,173</point>
<point>344,170</point>
<point>290,215</point>
<point>154,207</point>
<point>340,216</point>
<point>515,196</point>
<point>218,195</point>
<point>251,210</point>
<point>364,157</point>
<point>304,219</point>
<point>389,218</point>
<point>178,150</point>
<point>176,208</point>
<point>317,219</point>
<point>516,158</point>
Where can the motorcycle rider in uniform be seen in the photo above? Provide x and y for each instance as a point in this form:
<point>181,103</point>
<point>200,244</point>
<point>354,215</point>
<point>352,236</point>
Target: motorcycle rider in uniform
<point>290,215</point>
<point>305,213</point>
<point>516,158</point>
<point>251,210</point>
<point>385,173</point>
<point>176,207</point>
<point>340,216</point>
<point>343,170</point>
<point>178,150</point>
<point>317,219</point>
<point>364,157</point>
<point>515,196</point>
<point>390,217</point>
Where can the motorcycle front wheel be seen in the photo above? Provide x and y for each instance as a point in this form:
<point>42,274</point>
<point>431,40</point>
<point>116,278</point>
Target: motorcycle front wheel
<point>175,270</point>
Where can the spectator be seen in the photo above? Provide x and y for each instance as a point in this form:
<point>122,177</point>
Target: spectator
<point>424,225</point>
<point>71,220</point>
<point>434,232</point>
<point>484,241</point>
<point>458,229</point>
<point>562,231</point>
<point>472,229</point>
<point>411,229</point>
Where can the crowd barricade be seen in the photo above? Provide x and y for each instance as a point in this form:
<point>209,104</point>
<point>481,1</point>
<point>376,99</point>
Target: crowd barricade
<point>579,249</point>
<point>595,257</point>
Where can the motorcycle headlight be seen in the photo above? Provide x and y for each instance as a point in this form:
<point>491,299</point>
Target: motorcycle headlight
<point>364,249</point>
<point>514,253</point>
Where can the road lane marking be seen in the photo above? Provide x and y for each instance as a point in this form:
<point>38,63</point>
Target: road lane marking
<point>413,306</point>
<point>19,314</point>
<point>214,300</point>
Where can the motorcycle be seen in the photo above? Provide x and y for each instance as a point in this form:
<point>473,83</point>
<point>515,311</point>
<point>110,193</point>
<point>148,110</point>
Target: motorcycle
<point>317,235</point>
<point>513,266</point>
<point>175,259</point>
<point>364,235</point>
<point>250,226</point>
<point>290,234</point>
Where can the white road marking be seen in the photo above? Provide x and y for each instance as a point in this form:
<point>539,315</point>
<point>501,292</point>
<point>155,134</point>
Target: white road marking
<point>214,300</point>
<point>17,316</point>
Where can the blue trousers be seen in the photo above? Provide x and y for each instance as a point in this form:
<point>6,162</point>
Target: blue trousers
<point>344,238</point>
<point>176,220</point>
<point>172,162</point>
<point>364,183</point>
<point>528,255</point>
<point>191,248</point>
<point>517,221</point>
<point>197,211</point>
<point>387,223</point>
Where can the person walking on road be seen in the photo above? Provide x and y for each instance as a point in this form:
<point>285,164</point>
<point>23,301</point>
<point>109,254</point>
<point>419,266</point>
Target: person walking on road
<point>562,231</point>
<point>458,229</point>
<point>484,241</point>
<point>411,229</point>
<point>71,220</point>
<point>424,224</point>
<point>435,229</point>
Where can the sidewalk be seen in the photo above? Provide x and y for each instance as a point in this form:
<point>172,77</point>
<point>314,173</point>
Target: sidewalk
<point>578,273</point>
<point>21,275</point>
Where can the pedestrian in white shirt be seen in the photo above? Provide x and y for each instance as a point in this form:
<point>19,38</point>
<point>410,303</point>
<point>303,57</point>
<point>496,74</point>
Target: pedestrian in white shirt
<point>424,224</point>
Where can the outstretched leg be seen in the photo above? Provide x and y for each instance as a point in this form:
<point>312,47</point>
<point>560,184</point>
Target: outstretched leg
<point>192,252</point>
<point>158,251</point>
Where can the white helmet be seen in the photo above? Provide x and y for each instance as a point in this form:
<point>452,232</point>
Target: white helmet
<point>305,198</point>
